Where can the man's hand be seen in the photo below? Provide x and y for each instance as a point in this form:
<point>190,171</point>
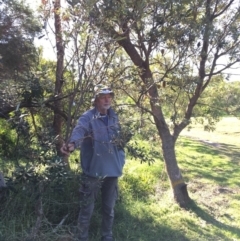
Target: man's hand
<point>67,148</point>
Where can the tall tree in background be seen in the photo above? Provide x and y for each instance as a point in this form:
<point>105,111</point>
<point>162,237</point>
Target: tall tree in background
<point>181,43</point>
<point>18,54</point>
<point>57,118</point>
<point>17,31</point>
<point>49,10</point>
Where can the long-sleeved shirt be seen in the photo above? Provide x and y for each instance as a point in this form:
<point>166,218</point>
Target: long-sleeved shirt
<point>97,137</point>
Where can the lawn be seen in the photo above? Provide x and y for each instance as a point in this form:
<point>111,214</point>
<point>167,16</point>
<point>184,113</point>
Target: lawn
<point>227,132</point>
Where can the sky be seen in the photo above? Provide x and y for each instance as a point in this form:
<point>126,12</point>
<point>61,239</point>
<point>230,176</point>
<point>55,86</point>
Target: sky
<point>48,44</point>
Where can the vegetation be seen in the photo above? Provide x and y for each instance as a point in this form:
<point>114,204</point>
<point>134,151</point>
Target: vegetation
<point>145,210</point>
<point>18,56</point>
<point>163,60</point>
<point>160,63</point>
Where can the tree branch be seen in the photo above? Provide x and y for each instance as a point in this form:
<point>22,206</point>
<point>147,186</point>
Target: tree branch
<point>223,10</point>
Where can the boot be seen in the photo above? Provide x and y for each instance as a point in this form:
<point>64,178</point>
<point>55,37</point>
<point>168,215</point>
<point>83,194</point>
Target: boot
<point>82,233</point>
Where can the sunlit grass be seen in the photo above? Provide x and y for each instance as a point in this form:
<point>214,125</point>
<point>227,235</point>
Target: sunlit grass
<point>227,132</point>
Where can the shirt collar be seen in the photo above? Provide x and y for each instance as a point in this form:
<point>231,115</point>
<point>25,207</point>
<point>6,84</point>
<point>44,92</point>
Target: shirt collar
<point>98,114</point>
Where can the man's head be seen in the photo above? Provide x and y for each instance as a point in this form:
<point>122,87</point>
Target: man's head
<point>103,98</point>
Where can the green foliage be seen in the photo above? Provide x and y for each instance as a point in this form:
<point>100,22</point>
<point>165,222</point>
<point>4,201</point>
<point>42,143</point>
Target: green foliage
<point>19,84</point>
<point>35,176</point>
<point>225,98</point>
<point>136,136</point>
<point>17,31</point>
<point>33,91</point>
<point>219,100</point>
<point>7,138</point>
<point>142,151</point>
<point>30,189</point>
<point>167,39</point>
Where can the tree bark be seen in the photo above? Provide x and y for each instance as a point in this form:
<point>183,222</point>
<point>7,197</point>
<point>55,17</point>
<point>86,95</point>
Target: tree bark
<point>57,119</point>
<point>2,185</point>
<point>2,181</point>
<point>178,185</point>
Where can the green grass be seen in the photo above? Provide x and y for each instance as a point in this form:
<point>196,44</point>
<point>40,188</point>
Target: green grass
<point>145,210</point>
<point>227,132</point>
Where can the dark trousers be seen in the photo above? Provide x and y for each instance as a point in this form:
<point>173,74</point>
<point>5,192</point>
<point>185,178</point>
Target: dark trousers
<point>89,190</point>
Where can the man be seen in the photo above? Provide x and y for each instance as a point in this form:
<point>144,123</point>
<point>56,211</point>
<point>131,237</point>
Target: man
<point>102,161</point>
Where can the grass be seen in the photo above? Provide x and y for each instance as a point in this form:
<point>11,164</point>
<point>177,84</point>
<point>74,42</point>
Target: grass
<point>227,132</point>
<point>145,210</point>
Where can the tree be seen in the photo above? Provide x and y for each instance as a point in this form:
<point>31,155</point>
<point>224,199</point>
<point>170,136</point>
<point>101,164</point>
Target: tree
<point>221,98</point>
<point>17,31</point>
<point>57,119</point>
<point>181,43</point>
<point>17,52</point>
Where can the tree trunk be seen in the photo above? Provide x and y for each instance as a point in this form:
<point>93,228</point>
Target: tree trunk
<point>57,119</point>
<point>179,187</point>
<point>2,181</point>
<point>2,185</point>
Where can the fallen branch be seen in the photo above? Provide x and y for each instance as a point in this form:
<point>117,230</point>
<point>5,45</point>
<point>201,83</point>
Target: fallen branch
<point>60,224</point>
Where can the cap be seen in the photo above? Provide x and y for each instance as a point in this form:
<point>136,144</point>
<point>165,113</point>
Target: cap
<point>102,90</point>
